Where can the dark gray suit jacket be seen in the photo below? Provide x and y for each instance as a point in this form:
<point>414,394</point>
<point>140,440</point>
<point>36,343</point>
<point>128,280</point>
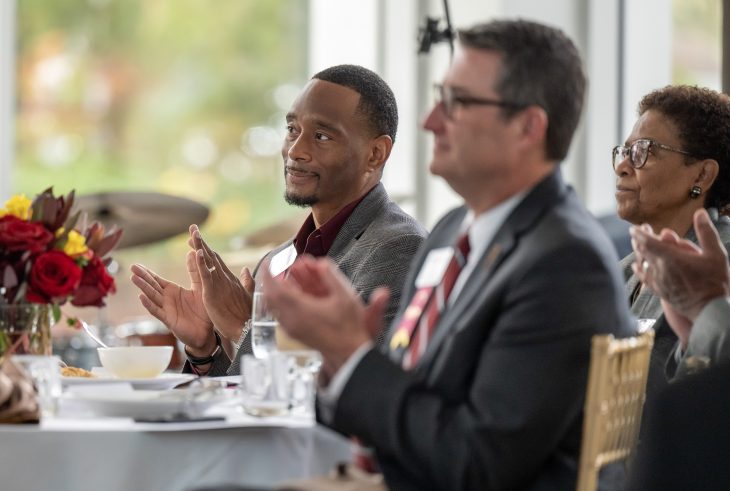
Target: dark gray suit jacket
<point>496,401</point>
<point>373,248</point>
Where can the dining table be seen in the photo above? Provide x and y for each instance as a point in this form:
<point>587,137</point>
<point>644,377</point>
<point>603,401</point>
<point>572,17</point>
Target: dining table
<point>78,451</point>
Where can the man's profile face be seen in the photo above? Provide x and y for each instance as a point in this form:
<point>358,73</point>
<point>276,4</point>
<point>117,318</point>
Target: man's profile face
<point>326,147</point>
<point>473,144</point>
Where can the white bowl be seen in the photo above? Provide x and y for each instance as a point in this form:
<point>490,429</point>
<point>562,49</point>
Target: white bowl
<point>135,361</point>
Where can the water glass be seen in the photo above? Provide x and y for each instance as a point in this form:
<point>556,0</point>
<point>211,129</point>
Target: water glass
<point>263,327</point>
<point>303,367</point>
<point>46,374</point>
<point>265,384</point>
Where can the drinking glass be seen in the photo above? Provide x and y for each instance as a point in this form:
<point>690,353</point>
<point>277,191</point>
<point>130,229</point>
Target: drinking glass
<point>303,367</point>
<point>46,374</point>
<point>263,327</point>
<point>265,385</point>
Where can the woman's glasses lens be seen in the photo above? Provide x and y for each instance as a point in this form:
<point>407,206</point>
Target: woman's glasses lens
<point>639,152</point>
<point>619,154</point>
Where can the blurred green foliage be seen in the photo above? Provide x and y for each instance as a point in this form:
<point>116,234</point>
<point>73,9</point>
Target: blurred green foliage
<point>697,39</point>
<point>159,95</point>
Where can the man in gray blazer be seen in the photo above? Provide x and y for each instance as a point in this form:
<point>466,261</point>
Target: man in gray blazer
<point>340,131</point>
<point>694,285</point>
<point>482,387</point>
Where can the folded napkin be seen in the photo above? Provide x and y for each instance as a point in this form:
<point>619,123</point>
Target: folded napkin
<point>18,402</point>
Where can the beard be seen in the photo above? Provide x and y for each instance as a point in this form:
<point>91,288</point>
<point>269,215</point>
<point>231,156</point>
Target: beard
<point>300,201</point>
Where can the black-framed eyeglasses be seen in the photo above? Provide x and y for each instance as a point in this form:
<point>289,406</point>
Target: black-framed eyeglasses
<point>446,96</point>
<point>638,152</point>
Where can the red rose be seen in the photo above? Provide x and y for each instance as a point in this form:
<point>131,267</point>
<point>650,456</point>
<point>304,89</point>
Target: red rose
<point>20,235</point>
<point>53,277</point>
<point>96,283</point>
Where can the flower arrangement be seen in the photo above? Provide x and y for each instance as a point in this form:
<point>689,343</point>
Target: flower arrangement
<point>46,259</point>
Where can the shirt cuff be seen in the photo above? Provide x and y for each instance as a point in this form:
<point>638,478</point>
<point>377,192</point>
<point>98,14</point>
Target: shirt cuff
<point>678,353</point>
<point>328,396</point>
<point>713,310</point>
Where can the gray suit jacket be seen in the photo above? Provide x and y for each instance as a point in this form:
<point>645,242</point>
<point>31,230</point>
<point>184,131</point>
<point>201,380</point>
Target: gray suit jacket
<point>496,401</point>
<point>373,248</point>
<point>709,341</point>
<point>648,305</point>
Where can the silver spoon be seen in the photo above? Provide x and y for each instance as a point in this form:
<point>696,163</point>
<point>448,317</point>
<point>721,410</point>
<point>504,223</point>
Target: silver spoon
<point>92,335</point>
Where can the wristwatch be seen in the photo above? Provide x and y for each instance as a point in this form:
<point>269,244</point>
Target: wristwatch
<point>204,360</point>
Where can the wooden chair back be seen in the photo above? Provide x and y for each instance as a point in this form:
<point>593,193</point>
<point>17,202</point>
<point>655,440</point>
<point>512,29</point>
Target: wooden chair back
<point>614,402</point>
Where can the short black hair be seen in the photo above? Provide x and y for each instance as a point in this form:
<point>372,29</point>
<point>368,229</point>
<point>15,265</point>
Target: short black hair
<point>702,117</point>
<point>377,102</point>
<point>540,66</point>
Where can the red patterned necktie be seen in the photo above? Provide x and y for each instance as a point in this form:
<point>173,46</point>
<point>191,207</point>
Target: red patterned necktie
<point>417,325</point>
<point>435,299</point>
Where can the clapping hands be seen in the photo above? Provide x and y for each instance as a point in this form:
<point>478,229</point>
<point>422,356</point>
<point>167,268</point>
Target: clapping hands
<point>216,297</point>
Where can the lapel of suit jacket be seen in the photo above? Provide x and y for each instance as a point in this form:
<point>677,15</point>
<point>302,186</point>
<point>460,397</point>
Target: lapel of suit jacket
<point>443,235</point>
<point>358,221</point>
<point>630,279</point>
<point>541,198</point>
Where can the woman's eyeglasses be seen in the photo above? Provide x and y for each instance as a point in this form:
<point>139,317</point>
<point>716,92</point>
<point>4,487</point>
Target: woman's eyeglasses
<point>638,152</point>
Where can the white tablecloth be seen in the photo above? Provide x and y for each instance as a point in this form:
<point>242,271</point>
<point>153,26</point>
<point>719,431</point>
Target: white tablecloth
<point>120,455</point>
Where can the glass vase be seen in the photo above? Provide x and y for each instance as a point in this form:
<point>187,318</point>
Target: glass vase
<point>25,329</point>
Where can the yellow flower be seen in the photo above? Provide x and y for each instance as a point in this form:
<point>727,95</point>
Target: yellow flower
<point>18,206</point>
<point>76,243</point>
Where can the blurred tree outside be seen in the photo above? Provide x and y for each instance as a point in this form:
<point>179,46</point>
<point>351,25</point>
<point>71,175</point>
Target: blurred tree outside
<point>697,42</point>
<point>185,97</point>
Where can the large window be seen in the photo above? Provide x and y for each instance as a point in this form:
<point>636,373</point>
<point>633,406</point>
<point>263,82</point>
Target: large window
<point>184,97</point>
<point>697,42</point>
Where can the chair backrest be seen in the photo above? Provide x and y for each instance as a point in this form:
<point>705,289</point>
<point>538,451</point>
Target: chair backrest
<point>614,401</point>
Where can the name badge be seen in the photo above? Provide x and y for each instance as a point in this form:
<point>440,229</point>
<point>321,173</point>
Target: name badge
<point>282,260</point>
<point>434,267</point>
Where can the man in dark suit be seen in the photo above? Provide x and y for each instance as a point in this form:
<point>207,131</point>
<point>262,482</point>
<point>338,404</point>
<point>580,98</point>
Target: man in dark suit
<point>481,385</point>
<point>340,131</point>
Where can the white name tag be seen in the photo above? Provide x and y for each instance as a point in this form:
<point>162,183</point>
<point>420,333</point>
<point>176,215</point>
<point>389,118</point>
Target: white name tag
<point>282,260</point>
<point>434,267</point>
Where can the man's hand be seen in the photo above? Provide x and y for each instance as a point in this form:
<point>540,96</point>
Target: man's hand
<point>685,276</point>
<point>227,298</point>
<point>180,309</point>
<point>317,306</point>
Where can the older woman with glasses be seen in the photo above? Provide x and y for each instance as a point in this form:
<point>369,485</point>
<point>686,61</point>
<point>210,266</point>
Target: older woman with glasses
<point>676,160</point>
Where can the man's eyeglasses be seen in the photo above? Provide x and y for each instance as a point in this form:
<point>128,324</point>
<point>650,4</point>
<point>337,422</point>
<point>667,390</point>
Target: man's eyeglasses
<point>446,96</point>
<point>638,152</point>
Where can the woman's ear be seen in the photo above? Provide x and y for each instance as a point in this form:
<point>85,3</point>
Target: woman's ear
<point>708,173</point>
